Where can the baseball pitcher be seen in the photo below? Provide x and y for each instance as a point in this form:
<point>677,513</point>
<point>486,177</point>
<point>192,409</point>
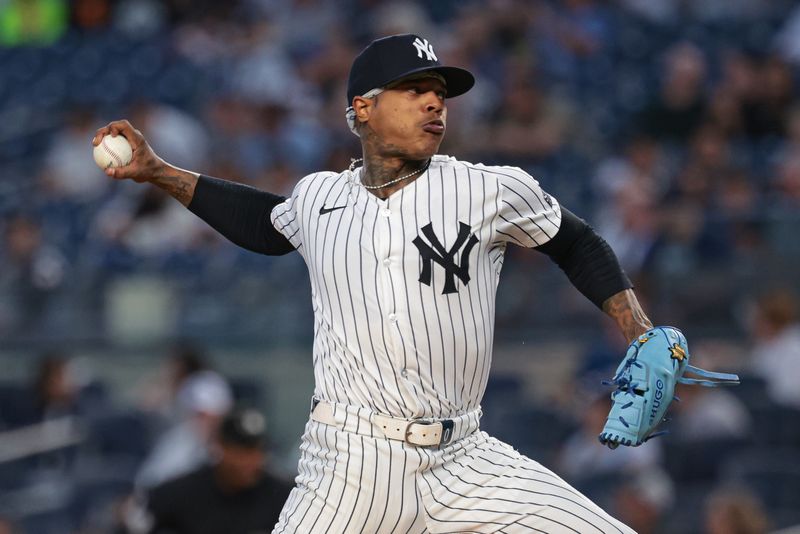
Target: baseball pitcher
<point>404,252</point>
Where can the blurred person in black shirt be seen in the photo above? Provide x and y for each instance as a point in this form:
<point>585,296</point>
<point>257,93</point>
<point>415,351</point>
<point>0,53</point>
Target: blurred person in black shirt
<point>678,110</point>
<point>32,272</point>
<point>235,494</point>
<point>54,392</point>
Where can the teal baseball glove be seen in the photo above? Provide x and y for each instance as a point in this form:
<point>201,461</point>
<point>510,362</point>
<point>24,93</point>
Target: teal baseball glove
<point>654,363</point>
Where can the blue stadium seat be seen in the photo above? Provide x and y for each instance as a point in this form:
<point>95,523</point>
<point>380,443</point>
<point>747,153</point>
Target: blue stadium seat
<point>125,435</point>
<point>16,408</point>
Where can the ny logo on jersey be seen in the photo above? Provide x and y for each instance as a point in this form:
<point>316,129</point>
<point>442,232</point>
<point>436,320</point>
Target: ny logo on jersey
<point>424,47</point>
<point>435,252</point>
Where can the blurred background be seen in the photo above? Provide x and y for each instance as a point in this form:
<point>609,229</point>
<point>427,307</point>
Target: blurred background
<point>672,126</point>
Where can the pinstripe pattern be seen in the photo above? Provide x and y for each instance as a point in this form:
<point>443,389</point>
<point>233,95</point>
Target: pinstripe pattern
<point>383,339</point>
<point>387,340</point>
<point>353,482</point>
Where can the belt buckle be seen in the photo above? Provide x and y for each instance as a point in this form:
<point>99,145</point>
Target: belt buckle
<point>444,439</point>
<point>447,431</point>
<point>407,431</point>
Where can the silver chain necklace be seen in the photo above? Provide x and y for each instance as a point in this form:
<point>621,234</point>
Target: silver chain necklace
<point>392,182</point>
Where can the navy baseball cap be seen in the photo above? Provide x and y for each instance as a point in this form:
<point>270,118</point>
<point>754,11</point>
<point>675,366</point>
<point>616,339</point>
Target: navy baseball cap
<point>245,427</point>
<point>389,59</point>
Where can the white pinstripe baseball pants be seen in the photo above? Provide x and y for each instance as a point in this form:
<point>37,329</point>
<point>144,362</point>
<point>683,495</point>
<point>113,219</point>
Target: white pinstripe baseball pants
<point>355,480</point>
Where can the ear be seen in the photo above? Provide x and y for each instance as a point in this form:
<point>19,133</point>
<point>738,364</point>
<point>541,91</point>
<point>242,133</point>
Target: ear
<point>363,108</point>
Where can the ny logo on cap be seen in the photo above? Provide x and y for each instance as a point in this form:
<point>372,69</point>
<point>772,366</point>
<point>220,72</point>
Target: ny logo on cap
<point>423,46</point>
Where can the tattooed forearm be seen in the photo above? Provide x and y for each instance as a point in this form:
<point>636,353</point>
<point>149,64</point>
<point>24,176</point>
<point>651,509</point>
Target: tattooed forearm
<point>625,309</point>
<point>178,183</point>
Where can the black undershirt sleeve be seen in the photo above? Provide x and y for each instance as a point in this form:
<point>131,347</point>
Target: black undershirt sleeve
<point>241,213</point>
<point>587,260</point>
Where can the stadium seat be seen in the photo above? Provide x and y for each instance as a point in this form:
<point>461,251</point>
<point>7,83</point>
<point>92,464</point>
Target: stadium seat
<point>16,408</point>
<point>125,434</point>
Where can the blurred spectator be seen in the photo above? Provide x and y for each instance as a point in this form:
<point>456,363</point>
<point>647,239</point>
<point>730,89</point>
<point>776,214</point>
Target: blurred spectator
<point>56,389</point>
<point>776,350</point>
<point>581,458</point>
<point>601,357</point>
<point>642,164</point>
<point>677,111</point>
<point>159,394</point>
<point>703,414</point>
<point>571,36</point>
<point>301,25</point>
<point>708,164</point>
<point>767,109</point>
<point>677,251</point>
<point>235,493</point>
<point>203,399</point>
<point>141,18</point>
<point>70,173</point>
<point>48,418</point>
<point>400,17</point>
<point>174,134</point>
<point>655,11</point>
<point>629,223</point>
<point>32,272</point>
<point>734,511</point>
<point>787,183</point>
<point>262,70</point>
<point>629,188</point>
<point>147,224</point>
<point>788,38</point>
<point>536,130</point>
<point>641,500</point>
<point>91,14</point>
<point>725,11</point>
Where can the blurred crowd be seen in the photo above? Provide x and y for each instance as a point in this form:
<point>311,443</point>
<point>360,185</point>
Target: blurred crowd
<point>672,126</point>
<point>189,453</point>
<point>188,446</point>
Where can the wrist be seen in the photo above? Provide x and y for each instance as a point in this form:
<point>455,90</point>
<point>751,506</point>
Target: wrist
<point>162,170</point>
<point>180,184</point>
<point>626,311</point>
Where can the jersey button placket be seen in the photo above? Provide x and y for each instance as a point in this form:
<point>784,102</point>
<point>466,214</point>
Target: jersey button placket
<point>387,236</point>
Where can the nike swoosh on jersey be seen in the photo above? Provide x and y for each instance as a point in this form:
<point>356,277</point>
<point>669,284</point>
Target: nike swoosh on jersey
<point>323,210</point>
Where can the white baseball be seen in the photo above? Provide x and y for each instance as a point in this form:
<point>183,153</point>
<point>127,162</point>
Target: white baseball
<point>113,151</point>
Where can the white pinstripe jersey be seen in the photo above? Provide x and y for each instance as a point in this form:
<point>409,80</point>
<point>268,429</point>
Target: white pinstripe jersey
<point>403,288</point>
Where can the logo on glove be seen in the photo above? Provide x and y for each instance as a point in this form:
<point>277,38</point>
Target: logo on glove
<point>677,352</point>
